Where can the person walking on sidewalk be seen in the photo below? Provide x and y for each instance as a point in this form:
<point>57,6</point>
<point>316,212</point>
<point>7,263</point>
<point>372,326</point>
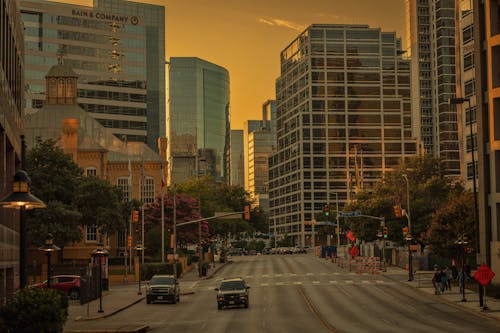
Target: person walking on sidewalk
<point>444,281</point>
<point>449,276</point>
<point>436,281</point>
<point>461,280</point>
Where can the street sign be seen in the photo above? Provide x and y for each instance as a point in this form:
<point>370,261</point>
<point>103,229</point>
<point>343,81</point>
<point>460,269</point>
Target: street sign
<point>483,275</point>
<point>354,251</point>
<point>349,214</point>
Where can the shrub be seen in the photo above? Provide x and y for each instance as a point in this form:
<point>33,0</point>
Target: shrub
<point>35,310</point>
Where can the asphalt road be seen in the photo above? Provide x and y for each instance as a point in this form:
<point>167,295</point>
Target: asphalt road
<point>301,293</point>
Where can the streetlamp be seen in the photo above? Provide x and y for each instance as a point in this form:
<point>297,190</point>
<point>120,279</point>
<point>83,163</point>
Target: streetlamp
<point>409,237</point>
<point>22,199</point>
<point>48,248</point>
<point>462,241</point>
<point>140,249</point>
<point>98,254</point>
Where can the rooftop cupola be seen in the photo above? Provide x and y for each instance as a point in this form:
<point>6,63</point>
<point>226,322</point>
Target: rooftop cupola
<point>61,83</point>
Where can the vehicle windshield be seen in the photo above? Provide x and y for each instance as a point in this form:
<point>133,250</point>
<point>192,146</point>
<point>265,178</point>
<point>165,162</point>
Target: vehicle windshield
<point>162,280</point>
<point>232,285</point>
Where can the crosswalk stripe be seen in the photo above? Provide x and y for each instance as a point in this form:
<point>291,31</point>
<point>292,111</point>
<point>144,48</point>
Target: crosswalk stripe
<point>316,282</point>
<point>297,282</point>
<point>335,282</point>
<point>364,281</point>
<point>349,281</point>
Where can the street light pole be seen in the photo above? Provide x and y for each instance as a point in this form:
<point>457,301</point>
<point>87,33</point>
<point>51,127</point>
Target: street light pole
<point>140,249</point>
<point>48,248</point>
<point>99,253</point>
<point>409,237</point>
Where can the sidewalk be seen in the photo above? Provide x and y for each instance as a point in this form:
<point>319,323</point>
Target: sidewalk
<point>118,298</point>
<point>452,297</point>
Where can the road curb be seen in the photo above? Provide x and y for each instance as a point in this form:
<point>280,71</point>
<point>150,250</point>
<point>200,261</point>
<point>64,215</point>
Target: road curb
<point>138,329</point>
<point>218,268</point>
<point>81,318</point>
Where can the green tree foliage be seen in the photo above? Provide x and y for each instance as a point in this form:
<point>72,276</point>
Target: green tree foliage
<point>450,222</point>
<point>100,203</point>
<point>35,310</point>
<point>429,191</point>
<point>55,178</point>
<point>54,175</point>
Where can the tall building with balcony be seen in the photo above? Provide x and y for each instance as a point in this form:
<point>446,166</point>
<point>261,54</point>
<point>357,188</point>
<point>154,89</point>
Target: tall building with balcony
<point>487,86</point>
<point>11,128</point>
<point>118,50</point>
<point>465,88</point>
<point>431,46</point>
<point>343,120</point>
<point>198,120</point>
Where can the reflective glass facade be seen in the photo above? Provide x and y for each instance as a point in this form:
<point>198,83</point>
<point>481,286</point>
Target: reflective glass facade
<point>237,159</point>
<point>343,120</point>
<point>198,122</point>
<point>118,50</point>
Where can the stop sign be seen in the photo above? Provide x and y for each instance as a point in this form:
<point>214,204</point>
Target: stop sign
<point>483,275</point>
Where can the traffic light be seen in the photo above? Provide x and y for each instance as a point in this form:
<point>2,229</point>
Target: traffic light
<point>129,241</point>
<point>135,216</point>
<point>326,210</point>
<point>397,211</point>
<point>385,232</point>
<point>247,213</point>
<point>137,229</point>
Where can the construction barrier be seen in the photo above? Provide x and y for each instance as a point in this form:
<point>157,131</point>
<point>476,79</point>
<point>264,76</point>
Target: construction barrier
<point>363,265</point>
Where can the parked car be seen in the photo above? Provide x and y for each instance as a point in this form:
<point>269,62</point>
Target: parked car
<point>232,292</point>
<point>69,284</point>
<point>163,288</point>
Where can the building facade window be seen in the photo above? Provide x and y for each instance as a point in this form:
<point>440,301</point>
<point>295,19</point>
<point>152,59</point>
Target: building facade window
<point>148,190</point>
<point>467,34</point>
<point>470,170</point>
<point>91,233</point>
<point>469,88</point>
<point>470,115</point>
<point>468,61</point>
<point>123,184</point>
<point>91,171</point>
<point>471,140</point>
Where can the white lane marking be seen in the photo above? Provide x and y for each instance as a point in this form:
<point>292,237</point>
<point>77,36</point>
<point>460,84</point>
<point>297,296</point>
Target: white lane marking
<point>309,274</point>
<point>297,282</point>
<point>293,274</point>
<point>336,273</point>
<point>264,284</point>
<point>334,282</point>
<point>365,281</point>
<point>349,281</point>
<point>380,281</point>
<point>280,283</point>
<point>323,273</point>
<point>194,284</point>
<point>315,282</point>
<point>278,275</point>
<point>249,276</point>
<point>265,275</point>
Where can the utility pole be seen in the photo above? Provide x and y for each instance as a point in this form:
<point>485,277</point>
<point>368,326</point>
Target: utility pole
<point>174,219</point>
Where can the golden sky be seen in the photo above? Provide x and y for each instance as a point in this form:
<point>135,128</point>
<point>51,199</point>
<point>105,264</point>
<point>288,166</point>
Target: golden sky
<point>247,36</point>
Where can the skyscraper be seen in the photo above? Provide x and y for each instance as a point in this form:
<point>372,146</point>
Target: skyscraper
<point>487,86</point>
<point>431,46</point>
<point>198,120</point>
<point>11,127</point>
<point>343,120</point>
<point>237,159</point>
<point>118,50</point>
<point>260,148</point>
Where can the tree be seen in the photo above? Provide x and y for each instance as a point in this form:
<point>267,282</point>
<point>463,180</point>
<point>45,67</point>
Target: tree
<point>55,178</point>
<point>451,222</point>
<point>428,189</point>
<point>101,204</point>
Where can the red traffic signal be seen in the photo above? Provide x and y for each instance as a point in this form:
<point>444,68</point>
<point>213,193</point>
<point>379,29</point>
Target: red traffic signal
<point>397,211</point>
<point>135,216</point>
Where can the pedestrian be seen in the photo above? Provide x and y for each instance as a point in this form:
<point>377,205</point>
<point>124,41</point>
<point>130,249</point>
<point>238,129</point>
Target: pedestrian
<point>449,276</point>
<point>436,282</point>
<point>461,281</point>
<point>454,272</point>
<point>444,280</point>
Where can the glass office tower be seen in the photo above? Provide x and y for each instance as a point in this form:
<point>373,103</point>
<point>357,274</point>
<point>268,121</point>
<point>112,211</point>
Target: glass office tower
<point>118,50</point>
<point>198,122</point>
<point>343,120</point>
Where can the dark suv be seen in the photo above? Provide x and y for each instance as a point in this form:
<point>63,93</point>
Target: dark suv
<point>163,288</point>
<point>232,292</point>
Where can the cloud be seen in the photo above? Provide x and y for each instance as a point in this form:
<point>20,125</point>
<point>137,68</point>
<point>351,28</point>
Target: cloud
<point>275,22</point>
<point>327,16</point>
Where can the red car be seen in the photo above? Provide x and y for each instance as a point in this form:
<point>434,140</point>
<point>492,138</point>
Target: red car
<point>70,284</point>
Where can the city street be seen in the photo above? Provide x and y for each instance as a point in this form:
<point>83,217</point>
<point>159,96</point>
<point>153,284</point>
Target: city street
<point>301,293</point>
